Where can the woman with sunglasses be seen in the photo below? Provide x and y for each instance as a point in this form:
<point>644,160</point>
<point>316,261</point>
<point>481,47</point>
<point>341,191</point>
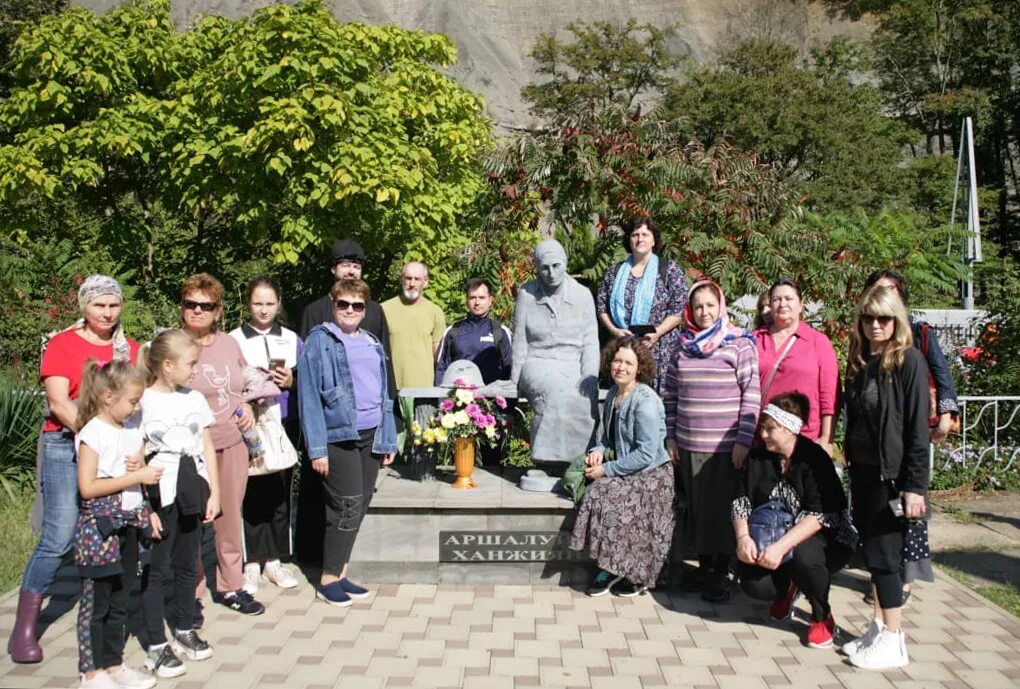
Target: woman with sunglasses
<point>887,451</point>
<point>349,428</point>
<point>219,376</point>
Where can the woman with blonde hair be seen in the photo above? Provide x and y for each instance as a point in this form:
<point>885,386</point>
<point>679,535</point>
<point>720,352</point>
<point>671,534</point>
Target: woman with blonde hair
<point>887,451</point>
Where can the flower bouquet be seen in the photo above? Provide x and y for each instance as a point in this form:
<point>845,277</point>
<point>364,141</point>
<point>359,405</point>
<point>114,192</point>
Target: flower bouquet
<point>463,413</point>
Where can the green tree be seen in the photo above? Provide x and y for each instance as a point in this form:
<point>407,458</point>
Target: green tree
<point>825,134</point>
<point>276,133</point>
<point>14,16</point>
<point>604,64</point>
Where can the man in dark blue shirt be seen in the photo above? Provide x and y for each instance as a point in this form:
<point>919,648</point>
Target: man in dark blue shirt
<point>478,338</point>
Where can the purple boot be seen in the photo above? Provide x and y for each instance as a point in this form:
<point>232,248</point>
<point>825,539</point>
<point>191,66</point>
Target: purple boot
<point>22,645</point>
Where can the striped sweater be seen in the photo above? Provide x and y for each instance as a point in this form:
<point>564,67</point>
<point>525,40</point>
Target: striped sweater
<point>712,403</point>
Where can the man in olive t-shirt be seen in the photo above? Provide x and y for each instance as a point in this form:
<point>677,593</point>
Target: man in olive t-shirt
<point>416,328</point>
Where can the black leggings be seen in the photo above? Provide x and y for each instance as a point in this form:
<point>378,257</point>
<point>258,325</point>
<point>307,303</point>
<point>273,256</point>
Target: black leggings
<point>102,613</point>
<point>348,489</point>
<point>881,534</point>
<point>811,569</point>
<point>175,556</point>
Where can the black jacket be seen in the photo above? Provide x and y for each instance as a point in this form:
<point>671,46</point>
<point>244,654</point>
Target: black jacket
<point>903,420</point>
<point>321,311</point>
<point>811,474</point>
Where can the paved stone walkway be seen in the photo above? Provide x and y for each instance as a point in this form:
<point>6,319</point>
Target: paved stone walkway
<point>508,637</point>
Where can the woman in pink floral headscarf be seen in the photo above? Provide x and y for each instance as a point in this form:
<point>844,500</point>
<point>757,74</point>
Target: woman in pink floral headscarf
<point>711,395</point>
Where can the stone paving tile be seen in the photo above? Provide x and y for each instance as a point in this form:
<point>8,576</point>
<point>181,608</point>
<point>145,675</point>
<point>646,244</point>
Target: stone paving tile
<point>505,637</point>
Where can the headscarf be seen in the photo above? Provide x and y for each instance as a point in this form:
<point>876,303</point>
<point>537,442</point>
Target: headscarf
<point>701,342</point>
<point>790,422</point>
<point>92,288</point>
<point>644,294</point>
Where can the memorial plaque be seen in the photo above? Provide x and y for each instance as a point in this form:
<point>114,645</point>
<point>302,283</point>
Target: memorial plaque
<point>507,546</point>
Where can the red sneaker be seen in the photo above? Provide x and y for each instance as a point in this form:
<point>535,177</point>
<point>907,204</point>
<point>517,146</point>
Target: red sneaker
<point>782,608</point>
<point>819,634</point>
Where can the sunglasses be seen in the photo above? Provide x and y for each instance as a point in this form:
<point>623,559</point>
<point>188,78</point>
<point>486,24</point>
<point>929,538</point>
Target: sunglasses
<point>883,321</point>
<point>343,305</point>
<point>207,306</point>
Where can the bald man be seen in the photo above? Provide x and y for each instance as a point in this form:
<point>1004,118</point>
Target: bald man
<point>416,329</point>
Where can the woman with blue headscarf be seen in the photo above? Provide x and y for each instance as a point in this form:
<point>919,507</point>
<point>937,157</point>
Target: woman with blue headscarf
<point>645,295</point>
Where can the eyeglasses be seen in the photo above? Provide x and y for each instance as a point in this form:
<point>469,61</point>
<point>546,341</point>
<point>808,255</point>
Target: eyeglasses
<point>343,305</point>
<point>207,306</point>
<point>883,321</point>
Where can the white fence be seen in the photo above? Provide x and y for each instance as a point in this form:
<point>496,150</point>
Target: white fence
<point>987,436</point>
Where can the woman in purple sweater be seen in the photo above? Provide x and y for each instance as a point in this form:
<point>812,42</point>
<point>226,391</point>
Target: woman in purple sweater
<point>711,394</point>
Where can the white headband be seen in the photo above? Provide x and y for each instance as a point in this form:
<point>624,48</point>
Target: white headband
<point>790,422</point>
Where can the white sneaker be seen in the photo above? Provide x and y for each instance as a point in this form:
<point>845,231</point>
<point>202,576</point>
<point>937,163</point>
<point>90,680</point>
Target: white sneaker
<point>888,651</point>
<point>280,575</point>
<point>875,627</point>
<point>100,680</point>
<point>252,578</point>
<point>129,678</point>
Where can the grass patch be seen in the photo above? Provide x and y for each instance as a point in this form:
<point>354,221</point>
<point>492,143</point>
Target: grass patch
<point>18,537</point>
<point>959,515</point>
<point>1006,596</point>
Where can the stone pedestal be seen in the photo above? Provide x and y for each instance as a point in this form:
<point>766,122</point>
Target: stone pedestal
<point>494,534</point>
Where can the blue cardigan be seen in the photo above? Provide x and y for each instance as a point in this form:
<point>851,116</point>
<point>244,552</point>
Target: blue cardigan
<point>328,411</point>
<point>640,439</point>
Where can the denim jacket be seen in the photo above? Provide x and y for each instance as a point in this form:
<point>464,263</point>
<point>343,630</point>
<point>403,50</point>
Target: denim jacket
<point>640,439</point>
<point>328,411</point>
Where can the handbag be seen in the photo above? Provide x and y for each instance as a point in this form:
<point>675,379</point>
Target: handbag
<point>278,453</point>
<point>768,523</point>
<point>933,397</point>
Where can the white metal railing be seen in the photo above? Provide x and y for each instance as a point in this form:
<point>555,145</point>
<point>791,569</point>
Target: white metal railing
<point>984,438</point>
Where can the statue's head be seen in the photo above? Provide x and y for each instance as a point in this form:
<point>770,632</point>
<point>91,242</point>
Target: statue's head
<point>551,263</point>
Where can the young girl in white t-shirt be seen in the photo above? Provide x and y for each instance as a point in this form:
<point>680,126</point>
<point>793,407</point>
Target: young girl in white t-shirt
<point>175,424</point>
<point>112,520</point>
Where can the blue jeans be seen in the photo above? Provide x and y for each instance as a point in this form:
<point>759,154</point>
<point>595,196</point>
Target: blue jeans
<point>58,479</point>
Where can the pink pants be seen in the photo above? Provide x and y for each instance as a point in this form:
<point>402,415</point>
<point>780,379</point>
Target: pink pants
<point>228,528</point>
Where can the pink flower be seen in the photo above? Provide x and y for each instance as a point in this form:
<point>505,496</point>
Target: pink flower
<point>473,410</point>
<point>446,405</point>
<point>501,402</point>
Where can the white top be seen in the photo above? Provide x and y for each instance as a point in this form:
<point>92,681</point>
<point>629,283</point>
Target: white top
<point>260,349</point>
<point>114,445</point>
<point>173,423</point>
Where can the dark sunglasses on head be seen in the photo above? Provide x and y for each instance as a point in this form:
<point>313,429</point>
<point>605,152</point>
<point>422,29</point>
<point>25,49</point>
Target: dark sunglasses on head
<point>343,305</point>
<point>207,306</point>
<point>883,321</point>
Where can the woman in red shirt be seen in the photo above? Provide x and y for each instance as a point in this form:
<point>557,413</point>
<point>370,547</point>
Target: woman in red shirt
<point>98,335</point>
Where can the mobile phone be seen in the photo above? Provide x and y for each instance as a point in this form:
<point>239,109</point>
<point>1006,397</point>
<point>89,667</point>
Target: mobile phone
<point>277,363</point>
<point>896,505</point>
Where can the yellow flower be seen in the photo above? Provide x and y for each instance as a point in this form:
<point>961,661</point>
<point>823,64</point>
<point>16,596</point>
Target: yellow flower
<point>440,436</point>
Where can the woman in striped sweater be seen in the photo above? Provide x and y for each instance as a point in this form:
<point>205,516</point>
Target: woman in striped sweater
<point>711,395</point>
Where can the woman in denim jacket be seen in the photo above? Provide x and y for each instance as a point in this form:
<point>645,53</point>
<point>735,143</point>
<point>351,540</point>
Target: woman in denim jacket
<point>348,425</point>
<point>626,519</point>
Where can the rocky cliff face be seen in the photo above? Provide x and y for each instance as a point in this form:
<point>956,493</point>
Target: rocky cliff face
<point>495,36</point>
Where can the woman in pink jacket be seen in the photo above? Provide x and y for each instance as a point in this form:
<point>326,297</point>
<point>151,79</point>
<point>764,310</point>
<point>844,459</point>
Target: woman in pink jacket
<point>794,357</point>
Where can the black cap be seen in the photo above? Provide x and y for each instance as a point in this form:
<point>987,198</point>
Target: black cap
<point>349,249</point>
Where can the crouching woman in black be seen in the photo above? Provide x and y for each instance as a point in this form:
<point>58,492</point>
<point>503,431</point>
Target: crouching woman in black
<point>797,471</point>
